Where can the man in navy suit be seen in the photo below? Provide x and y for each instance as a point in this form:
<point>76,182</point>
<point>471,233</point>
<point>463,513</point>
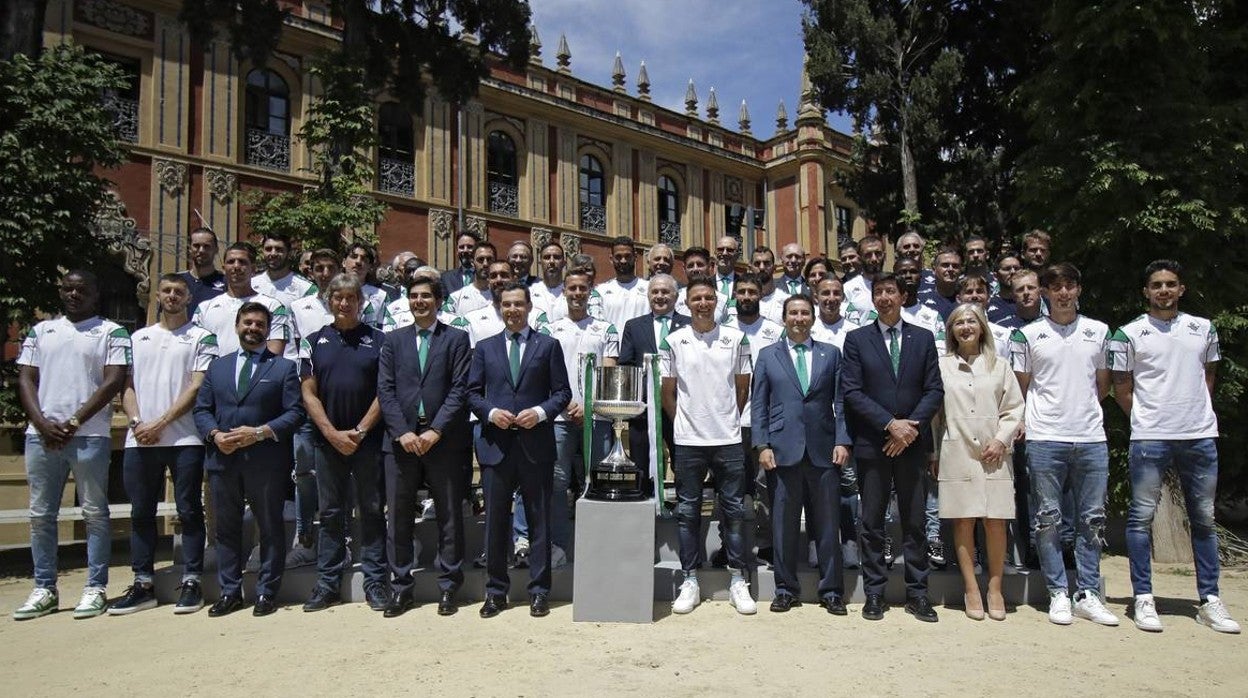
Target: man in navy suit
<point>798,430</point>
<point>516,386</point>
<point>892,389</point>
<point>642,336</point>
<point>247,411</point>
<point>465,272</point>
<point>422,386</point>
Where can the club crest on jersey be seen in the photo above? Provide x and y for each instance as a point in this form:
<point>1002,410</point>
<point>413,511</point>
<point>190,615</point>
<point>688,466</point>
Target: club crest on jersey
<point>1089,333</point>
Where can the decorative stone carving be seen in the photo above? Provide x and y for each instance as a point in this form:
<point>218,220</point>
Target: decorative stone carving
<point>474,108</point>
<point>114,16</point>
<point>478,225</point>
<point>441,223</point>
<point>733,190</point>
<point>171,175</point>
<point>121,237</point>
<point>222,184</point>
<point>571,244</point>
<point>540,237</point>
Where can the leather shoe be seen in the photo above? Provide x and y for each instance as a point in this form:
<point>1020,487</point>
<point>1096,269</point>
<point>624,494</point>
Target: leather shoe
<point>493,606</point>
<point>921,608</point>
<point>400,603</point>
<point>834,605</point>
<point>783,602</point>
<point>226,605</point>
<point>539,607</point>
<point>874,608</point>
<point>265,605</point>
<point>446,604</point>
<point>321,599</point>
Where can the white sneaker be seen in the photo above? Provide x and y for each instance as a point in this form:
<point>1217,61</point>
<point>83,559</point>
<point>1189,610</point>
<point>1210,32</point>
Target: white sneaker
<point>739,597</point>
<point>93,602</point>
<point>41,602</point>
<point>1088,606</point>
<point>522,552</point>
<point>1213,613</point>
<point>688,598</point>
<point>812,554</point>
<point>299,556</point>
<point>1059,608</point>
<point>1145,615</point>
<point>427,512</point>
<point>558,558</point>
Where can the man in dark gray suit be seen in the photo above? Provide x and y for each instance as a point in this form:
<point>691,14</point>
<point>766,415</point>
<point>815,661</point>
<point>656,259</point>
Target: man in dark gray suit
<point>463,274</point>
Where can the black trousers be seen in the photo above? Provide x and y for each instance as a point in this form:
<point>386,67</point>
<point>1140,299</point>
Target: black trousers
<point>877,477</point>
<point>406,472</point>
<point>639,445</point>
<point>265,490</point>
<point>535,481</point>
<point>819,490</point>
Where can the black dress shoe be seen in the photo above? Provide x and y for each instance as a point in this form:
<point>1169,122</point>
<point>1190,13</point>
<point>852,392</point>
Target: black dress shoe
<point>834,605</point>
<point>400,603</point>
<point>378,596</point>
<point>783,602</point>
<point>921,608</point>
<point>265,605</point>
<point>446,604</point>
<point>322,599</point>
<point>493,606</point>
<point>874,608</point>
<point>539,607</point>
<point>226,605</point>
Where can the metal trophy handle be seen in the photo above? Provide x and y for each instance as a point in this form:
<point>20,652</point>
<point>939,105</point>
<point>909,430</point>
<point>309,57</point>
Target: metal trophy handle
<point>616,395</point>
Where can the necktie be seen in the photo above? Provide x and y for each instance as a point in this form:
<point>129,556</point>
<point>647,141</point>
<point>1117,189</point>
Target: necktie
<point>803,377</point>
<point>467,278</point>
<point>793,286</point>
<point>244,373</point>
<point>513,356</point>
<point>724,286</point>
<point>663,328</point>
<point>894,350</point>
<point>422,351</point>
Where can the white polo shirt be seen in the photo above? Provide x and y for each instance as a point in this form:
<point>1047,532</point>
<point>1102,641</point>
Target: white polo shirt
<point>1167,359</point>
<point>218,315</point>
<point>578,340</point>
<point>399,314</point>
<point>721,304</point>
<point>1062,399</point>
<point>287,289</point>
<point>623,302</point>
<point>858,293</point>
<point>163,363</point>
<point>770,306</point>
<point>71,358</point>
<point>705,366</point>
<point>468,299</point>
<point>761,333</point>
<point>834,333</point>
<point>930,320</point>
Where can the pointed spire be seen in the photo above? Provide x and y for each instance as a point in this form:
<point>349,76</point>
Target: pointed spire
<point>743,118</point>
<point>691,100</point>
<point>782,118</point>
<point>617,73</point>
<point>712,108</point>
<point>807,108</point>
<point>563,57</point>
<point>535,45</point>
<point>643,83</point>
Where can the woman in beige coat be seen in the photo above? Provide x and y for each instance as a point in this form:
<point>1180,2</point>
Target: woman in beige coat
<point>982,411</point>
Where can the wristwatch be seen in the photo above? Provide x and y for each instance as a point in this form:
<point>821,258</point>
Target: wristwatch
<point>259,435</point>
<point>74,422</point>
<point>134,422</point>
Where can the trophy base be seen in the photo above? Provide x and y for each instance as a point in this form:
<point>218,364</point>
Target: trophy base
<point>616,485</point>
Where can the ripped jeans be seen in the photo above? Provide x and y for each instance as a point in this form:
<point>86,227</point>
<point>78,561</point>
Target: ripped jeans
<point>1196,461</point>
<point>1086,467</point>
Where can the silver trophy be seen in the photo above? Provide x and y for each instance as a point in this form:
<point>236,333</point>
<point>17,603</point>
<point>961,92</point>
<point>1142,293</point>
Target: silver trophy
<point>617,396</point>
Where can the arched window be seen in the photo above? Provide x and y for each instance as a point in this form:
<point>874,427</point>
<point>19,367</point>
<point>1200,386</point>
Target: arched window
<point>669,212</point>
<point>593,195</point>
<point>396,147</point>
<point>500,172</point>
<point>123,102</point>
<point>268,120</point>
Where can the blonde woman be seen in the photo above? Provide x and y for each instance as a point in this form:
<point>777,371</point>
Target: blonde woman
<point>983,408</point>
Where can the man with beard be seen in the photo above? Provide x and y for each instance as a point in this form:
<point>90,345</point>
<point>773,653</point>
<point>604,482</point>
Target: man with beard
<point>942,297</point>
<point>548,293</point>
<point>218,315</point>
<point>624,297</point>
<point>858,289</point>
<point>202,278</point>
<point>975,254</point>
<point>851,261</point>
<point>1036,246</point>
<point>697,262</point>
<point>1001,304</point>
<point>464,274</point>
<point>771,297</point>
<point>488,321</point>
<point>475,295</point>
<point>908,276</point>
<point>279,280</point>
<point>361,260</point>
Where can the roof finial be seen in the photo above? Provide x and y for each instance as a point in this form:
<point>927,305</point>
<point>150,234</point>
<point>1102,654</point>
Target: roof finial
<point>712,108</point>
<point>782,118</point>
<point>643,83</point>
<point>743,118</point>
<point>691,100</point>
<point>617,73</point>
<point>563,57</point>
<point>535,45</point>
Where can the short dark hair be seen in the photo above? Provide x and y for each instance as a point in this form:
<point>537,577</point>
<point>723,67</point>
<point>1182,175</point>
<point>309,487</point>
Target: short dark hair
<point>974,238</point>
<point>1163,265</point>
<point>576,271</point>
<point>436,287</point>
<point>906,260</point>
<point>88,277</point>
<point>324,253</point>
<point>747,278</point>
<point>280,237</point>
<point>968,280</point>
<point>484,244</point>
<point>171,277</point>
<point>763,249</point>
<point>240,246</point>
<point>696,251</point>
<point>369,251</point>
<point>208,231</point>
<point>886,278</point>
<point>550,244</point>
<point>700,280</point>
<point>624,240</point>
<point>814,262</point>
<point>516,286</point>
<point>1005,256</point>
<point>253,307</point>
<point>1062,271</point>
<point>467,233</point>
<point>871,238</point>
<point>851,245</point>
<point>947,249</point>
<point>796,297</point>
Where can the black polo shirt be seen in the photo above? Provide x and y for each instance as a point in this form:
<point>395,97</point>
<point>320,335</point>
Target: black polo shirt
<point>345,367</point>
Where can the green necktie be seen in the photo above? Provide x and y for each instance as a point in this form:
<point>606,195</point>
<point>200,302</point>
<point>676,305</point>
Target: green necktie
<point>803,377</point>
<point>793,287</point>
<point>725,286</point>
<point>894,350</point>
<point>468,278</point>
<point>422,351</point>
<point>244,373</point>
<point>514,357</point>
<point>663,328</point>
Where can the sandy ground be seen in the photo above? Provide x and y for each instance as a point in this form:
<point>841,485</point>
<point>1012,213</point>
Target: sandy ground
<point>350,650</point>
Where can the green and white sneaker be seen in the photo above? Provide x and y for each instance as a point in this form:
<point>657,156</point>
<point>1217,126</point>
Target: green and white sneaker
<point>41,602</point>
<point>93,603</point>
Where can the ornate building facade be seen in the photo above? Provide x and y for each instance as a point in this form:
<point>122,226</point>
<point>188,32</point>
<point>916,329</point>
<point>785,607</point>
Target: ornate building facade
<point>539,154</point>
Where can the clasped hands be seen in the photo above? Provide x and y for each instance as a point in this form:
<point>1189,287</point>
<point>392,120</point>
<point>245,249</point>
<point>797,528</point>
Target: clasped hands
<point>230,441</point>
<point>901,433</point>
<point>504,419</point>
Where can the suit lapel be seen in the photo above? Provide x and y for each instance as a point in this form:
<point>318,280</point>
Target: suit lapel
<point>877,341</point>
<point>531,347</point>
<point>504,345</point>
<point>786,359</point>
<point>263,365</point>
<point>908,347</point>
<point>818,364</point>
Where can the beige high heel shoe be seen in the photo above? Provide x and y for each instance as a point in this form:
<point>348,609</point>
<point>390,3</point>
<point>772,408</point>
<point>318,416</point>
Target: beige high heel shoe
<point>973,613</point>
<point>996,606</point>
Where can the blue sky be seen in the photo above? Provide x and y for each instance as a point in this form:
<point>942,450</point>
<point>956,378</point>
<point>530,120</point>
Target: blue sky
<point>745,49</point>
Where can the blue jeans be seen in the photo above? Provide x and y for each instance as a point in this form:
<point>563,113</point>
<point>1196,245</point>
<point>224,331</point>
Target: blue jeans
<point>727,463</point>
<point>931,509</point>
<point>568,459</point>
<point>334,474</point>
<point>47,471</point>
<point>1196,461</point>
<point>144,473</point>
<point>305,479</point>
<point>1085,466</point>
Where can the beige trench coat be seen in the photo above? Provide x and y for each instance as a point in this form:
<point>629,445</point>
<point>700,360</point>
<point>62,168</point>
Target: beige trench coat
<point>981,404</point>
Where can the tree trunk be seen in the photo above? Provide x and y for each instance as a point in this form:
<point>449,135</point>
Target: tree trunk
<point>1172,536</point>
<point>21,27</point>
<point>909,182</point>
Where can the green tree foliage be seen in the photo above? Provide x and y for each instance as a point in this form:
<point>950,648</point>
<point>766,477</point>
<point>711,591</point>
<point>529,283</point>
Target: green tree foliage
<point>56,135</point>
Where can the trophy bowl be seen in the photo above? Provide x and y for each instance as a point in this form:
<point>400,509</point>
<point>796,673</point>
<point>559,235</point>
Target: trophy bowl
<point>618,397</point>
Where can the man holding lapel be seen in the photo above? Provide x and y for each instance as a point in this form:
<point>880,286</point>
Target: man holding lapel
<point>247,411</point>
<point>892,388</point>
<point>422,384</point>
<point>516,385</point>
<point>800,436</point>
